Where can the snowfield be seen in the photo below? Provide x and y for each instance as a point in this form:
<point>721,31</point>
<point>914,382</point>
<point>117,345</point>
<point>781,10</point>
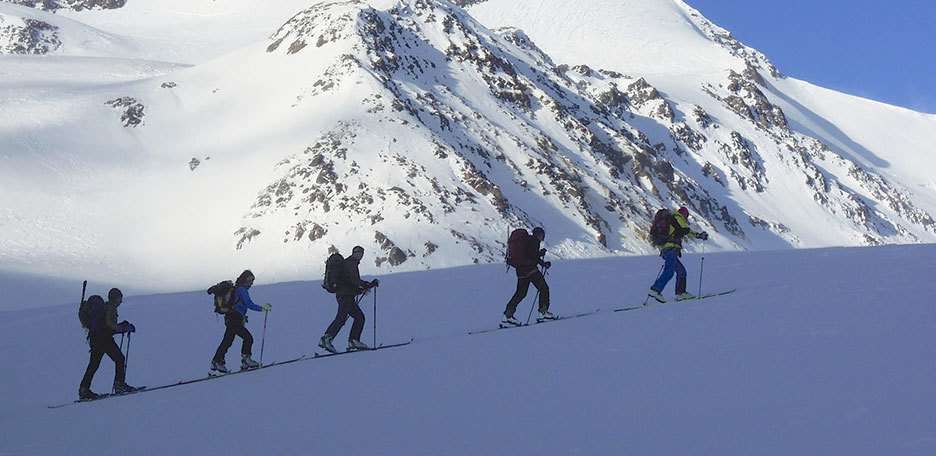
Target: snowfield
<point>824,351</point>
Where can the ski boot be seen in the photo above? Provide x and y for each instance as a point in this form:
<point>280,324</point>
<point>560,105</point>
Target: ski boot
<point>684,296</point>
<point>326,343</point>
<point>509,321</point>
<point>85,394</point>
<point>656,295</point>
<point>247,363</point>
<point>218,367</point>
<point>124,388</point>
<point>546,315</point>
<point>356,345</point>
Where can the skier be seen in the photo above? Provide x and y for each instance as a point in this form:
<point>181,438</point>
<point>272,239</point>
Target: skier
<point>102,343</point>
<point>529,258</point>
<point>671,251</point>
<point>349,286</point>
<point>234,321</point>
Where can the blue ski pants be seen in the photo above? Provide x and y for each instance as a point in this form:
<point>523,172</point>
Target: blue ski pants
<point>671,265</point>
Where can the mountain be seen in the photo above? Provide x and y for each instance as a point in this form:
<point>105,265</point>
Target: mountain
<point>824,351</point>
<point>268,136</point>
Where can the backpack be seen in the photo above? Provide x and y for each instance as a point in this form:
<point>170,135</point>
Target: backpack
<point>334,266</point>
<point>516,247</point>
<point>91,313</point>
<point>224,296</point>
<point>660,227</point>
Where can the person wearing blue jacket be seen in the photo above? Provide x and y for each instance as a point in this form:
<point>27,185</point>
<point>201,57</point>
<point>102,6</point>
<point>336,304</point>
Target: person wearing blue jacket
<point>234,323</point>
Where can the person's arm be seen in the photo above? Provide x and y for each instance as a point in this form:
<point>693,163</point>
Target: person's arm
<point>244,296</point>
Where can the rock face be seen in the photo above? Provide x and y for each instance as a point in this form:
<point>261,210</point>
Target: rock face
<point>27,36</point>
<point>77,5</point>
<point>450,135</point>
<point>604,150</point>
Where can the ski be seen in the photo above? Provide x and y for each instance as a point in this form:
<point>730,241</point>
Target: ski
<point>180,383</point>
<point>379,347</point>
<point>538,321</point>
<point>565,317</point>
<point>100,397</point>
<point>651,303</point>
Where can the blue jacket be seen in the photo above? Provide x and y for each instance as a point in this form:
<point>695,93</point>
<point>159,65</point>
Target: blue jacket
<point>244,302</point>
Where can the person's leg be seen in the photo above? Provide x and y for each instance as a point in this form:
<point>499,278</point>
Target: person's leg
<point>523,284</point>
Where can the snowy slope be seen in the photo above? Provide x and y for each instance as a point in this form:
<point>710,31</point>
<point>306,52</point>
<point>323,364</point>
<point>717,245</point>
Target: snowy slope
<point>166,141</point>
<point>819,352</point>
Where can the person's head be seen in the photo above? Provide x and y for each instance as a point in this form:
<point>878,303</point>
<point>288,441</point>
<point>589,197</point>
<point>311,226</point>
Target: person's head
<point>685,212</point>
<point>357,252</point>
<point>115,296</point>
<point>246,278</point>
<point>539,233</point>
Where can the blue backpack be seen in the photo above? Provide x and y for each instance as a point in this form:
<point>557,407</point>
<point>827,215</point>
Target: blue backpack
<point>91,313</point>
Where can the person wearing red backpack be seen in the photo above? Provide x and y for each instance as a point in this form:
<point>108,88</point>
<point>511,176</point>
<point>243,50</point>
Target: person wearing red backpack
<point>525,255</point>
<point>670,252</point>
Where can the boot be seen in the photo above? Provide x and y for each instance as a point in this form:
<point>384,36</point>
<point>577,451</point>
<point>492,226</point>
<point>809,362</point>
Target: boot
<point>85,394</point>
<point>326,343</point>
<point>546,315</point>
<point>681,294</point>
<point>247,363</point>
<point>123,388</point>
<point>509,321</point>
<point>656,295</point>
<point>356,345</point>
<point>219,367</point>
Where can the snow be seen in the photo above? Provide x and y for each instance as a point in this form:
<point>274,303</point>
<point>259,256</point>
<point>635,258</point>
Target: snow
<point>823,351</point>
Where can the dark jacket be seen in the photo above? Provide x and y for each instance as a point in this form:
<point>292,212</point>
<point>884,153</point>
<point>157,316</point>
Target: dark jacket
<point>350,283</point>
<point>531,257</point>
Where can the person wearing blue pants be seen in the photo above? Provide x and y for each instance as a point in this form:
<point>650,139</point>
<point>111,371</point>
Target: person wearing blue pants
<point>671,251</point>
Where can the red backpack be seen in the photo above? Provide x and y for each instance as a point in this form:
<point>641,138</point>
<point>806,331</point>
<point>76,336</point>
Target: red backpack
<point>516,247</point>
<point>660,227</point>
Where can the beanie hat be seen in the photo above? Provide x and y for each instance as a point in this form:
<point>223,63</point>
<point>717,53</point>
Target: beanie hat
<point>539,231</point>
<point>357,248</point>
<point>113,294</point>
<point>683,211</point>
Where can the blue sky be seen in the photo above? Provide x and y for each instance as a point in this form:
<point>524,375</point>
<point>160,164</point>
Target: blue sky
<point>882,50</point>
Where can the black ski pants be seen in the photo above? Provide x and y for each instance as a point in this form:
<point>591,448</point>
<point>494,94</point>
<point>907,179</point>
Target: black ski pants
<point>347,306</point>
<point>523,285</point>
<point>234,326</point>
<point>103,344</point>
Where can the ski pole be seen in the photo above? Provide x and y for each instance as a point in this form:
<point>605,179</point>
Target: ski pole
<point>127,356</point>
<point>375,317</point>
<point>263,338</point>
<point>701,268</point>
<point>654,280</point>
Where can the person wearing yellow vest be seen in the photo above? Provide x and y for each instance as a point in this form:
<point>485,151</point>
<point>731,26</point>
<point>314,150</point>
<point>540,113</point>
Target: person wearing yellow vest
<point>670,252</point>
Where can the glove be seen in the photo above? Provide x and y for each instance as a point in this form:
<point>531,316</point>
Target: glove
<point>131,328</point>
<point>266,307</point>
<point>547,264</point>
<point>703,236</point>
<point>542,252</point>
<point>374,283</point>
<point>125,327</point>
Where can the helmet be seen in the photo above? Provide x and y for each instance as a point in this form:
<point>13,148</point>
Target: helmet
<point>682,210</point>
<point>539,231</point>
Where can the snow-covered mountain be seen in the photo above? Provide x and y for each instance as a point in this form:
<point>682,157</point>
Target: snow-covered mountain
<point>266,134</point>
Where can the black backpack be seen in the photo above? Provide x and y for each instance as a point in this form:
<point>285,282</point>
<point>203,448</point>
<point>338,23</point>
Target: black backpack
<point>224,296</point>
<point>334,266</point>
<point>516,247</point>
<point>91,313</point>
<point>660,227</point>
